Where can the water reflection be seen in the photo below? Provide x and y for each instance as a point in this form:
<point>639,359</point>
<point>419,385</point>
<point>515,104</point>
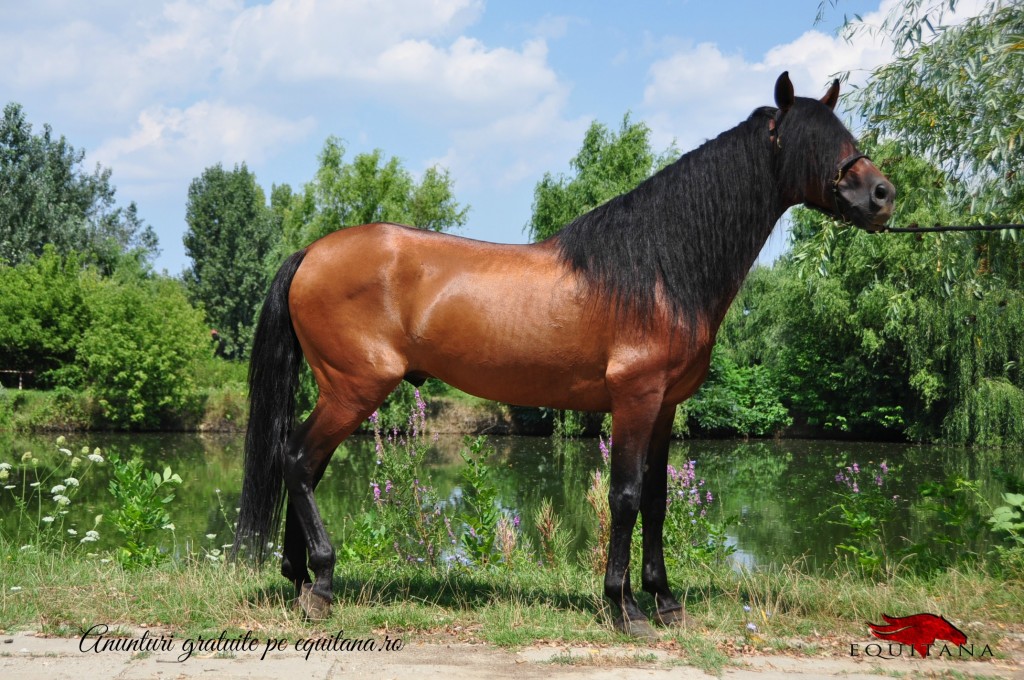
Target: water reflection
<point>776,493</point>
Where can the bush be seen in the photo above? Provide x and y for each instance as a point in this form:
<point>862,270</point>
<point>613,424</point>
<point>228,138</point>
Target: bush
<point>743,400</point>
<point>137,355</point>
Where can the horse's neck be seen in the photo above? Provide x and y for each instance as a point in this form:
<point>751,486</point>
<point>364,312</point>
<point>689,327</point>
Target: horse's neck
<point>736,260</point>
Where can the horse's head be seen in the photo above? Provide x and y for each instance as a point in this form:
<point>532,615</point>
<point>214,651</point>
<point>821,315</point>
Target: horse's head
<point>819,163</point>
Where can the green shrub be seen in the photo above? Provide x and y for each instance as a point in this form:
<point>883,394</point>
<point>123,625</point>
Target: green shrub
<point>142,499</point>
<point>137,355</point>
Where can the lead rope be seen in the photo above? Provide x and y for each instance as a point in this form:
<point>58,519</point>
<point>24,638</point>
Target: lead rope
<point>915,229</point>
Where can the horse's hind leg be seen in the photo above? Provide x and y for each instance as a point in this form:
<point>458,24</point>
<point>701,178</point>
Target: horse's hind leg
<point>309,451</point>
<point>293,558</point>
<point>652,508</point>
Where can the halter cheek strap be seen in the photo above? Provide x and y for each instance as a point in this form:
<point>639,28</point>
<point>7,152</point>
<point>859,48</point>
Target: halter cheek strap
<point>841,169</point>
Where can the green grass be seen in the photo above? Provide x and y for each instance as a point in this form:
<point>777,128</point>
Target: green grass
<point>63,594</point>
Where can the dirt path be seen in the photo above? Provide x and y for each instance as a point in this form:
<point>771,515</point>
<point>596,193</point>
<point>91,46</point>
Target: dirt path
<point>24,656</point>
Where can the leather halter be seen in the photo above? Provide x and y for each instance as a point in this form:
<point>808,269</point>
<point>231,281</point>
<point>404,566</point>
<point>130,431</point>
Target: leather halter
<point>842,168</point>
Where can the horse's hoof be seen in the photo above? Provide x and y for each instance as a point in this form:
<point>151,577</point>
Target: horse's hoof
<point>637,628</point>
<point>315,607</point>
<point>675,617</point>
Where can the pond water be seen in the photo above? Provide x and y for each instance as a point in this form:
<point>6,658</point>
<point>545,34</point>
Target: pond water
<point>775,495</point>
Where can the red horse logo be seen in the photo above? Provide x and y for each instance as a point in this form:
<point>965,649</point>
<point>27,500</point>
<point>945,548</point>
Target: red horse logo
<point>920,631</point>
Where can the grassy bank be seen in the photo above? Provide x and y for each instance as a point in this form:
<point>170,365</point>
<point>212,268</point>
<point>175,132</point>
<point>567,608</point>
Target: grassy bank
<point>64,593</point>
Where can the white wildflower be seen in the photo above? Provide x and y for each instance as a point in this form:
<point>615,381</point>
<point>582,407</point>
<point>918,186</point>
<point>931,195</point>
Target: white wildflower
<point>15,589</point>
<point>169,527</point>
<point>95,457</point>
<point>211,536</point>
<point>61,441</point>
<point>72,532</point>
<point>34,484</point>
<point>5,466</point>
<point>48,519</point>
<point>91,536</point>
<point>60,488</point>
<point>71,481</point>
<point>60,499</point>
<point>66,452</point>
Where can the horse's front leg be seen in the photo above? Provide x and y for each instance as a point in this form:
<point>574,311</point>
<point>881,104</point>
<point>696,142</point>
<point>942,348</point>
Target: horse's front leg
<point>652,508</point>
<point>632,425</point>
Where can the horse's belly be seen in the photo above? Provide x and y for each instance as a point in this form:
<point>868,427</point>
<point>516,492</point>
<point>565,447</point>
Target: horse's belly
<point>516,354</point>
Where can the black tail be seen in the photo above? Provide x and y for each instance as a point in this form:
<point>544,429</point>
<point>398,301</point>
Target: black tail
<point>273,380</point>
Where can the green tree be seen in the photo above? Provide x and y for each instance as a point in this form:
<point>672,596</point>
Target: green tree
<point>230,233</point>
<point>608,164</point>
<point>46,197</point>
<point>369,189</point>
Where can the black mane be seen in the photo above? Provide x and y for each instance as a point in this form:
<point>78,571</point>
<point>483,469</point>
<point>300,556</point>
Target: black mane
<point>696,226</point>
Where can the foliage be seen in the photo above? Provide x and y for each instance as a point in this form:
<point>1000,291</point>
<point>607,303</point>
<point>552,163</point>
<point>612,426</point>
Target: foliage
<point>479,511</point>
<point>1007,520</point>
<point>554,542</point>
<point>405,521</point>
<point>138,354</point>
<point>230,233</point>
<point>691,537</point>
<point>607,164</point>
<point>865,506</point>
<point>368,189</point>
<point>142,498</point>
<point>42,315</point>
<point>952,508</point>
<point>743,400</point>
<point>46,197</point>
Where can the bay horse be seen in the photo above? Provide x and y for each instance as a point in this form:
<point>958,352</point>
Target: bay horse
<point>617,312</point>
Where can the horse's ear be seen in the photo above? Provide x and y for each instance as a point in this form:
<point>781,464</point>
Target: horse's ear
<point>832,96</point>
<point>784,92</point>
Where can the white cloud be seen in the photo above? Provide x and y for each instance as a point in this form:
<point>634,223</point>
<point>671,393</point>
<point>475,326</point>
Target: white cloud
<point>515,147</point>
<point>698,91</point>
<point>169,144</point>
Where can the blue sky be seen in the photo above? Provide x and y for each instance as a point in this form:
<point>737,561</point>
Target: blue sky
<point>497,92</point>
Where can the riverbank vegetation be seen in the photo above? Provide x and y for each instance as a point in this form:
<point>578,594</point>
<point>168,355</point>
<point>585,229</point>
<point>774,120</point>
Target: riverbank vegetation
<point>414,563</point>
